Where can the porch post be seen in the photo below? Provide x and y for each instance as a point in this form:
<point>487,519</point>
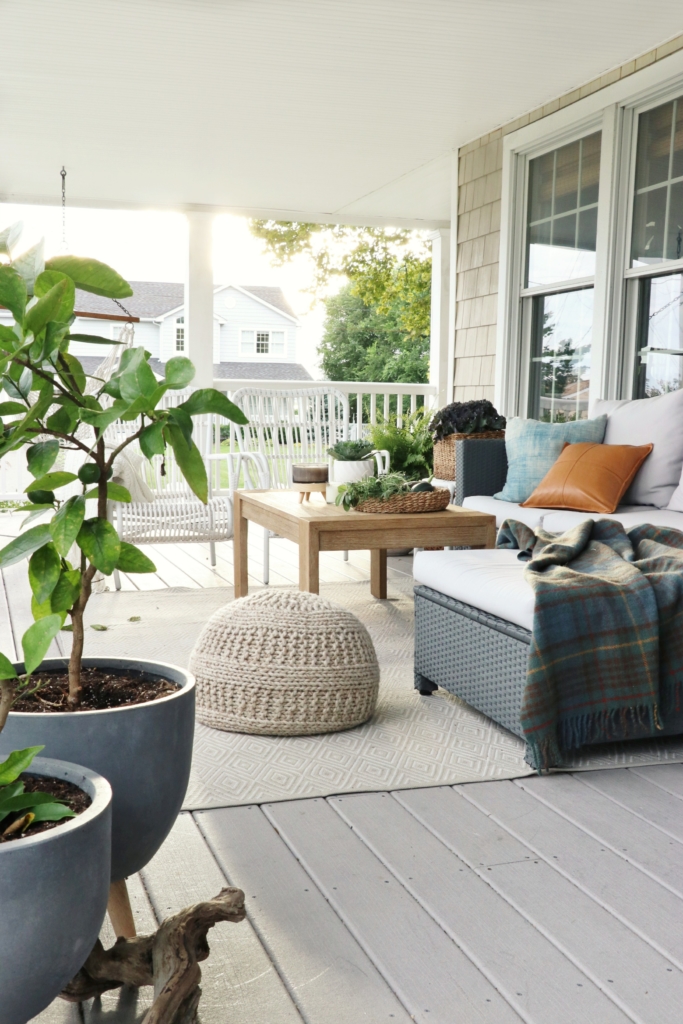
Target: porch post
<point>439,339</point>
<point>199,297</point>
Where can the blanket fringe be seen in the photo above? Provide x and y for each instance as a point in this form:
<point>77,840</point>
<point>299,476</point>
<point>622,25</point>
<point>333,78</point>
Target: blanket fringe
<point>606,726</point>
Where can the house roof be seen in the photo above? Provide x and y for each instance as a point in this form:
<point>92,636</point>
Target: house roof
<point>227,371</point>
<point>152,299</point>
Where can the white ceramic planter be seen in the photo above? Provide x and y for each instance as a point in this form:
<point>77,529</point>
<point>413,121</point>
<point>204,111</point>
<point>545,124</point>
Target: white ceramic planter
<point>351,472</point>
<point>144,750</point>
<point>53,897</point>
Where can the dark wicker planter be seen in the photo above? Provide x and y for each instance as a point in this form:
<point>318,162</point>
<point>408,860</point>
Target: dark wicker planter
<point>445,451</point>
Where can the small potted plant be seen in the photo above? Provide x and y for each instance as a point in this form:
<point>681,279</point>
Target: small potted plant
<point>462,421</point>
<point>129,720</point>
<point>392,493</point>
<point>355,460</point>
<point>409,445</point>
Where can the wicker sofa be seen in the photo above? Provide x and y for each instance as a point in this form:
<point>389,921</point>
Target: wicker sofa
<point>474,609</point>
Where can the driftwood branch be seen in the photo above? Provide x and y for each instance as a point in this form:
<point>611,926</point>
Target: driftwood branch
<point>168,960</point>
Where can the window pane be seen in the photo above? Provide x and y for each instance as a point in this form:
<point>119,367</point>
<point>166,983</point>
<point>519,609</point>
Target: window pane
<point>658,198</point>
<point>563,191</point>
<point>248,343</point>
<point>262,339</point>
<point>277,343</point>
<point>654,143</point>
<point>560,362</point>
<point>661,327</point>
<point>648,227</point>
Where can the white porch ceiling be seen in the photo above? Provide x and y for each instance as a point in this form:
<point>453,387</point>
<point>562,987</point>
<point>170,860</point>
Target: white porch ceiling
<point>338,109</point>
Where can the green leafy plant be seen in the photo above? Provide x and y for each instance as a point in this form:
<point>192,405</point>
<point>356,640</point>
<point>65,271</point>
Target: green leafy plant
<point>410,446</point>
<point>382,487</point>
<point>466,418</point>
<point>50,407</point>
<point>350,451</point>
<point>24,809</point>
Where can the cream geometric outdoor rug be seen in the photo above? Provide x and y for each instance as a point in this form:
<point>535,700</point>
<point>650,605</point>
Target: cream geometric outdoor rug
<point>410,742</point>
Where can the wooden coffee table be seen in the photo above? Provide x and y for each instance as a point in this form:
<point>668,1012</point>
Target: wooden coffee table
<point>317,527</point>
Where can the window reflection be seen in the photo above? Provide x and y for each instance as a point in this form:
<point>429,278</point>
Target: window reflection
<point>661,327</point>
<point>563,212</point>
<point>561,356</point>
<point>658,200</point>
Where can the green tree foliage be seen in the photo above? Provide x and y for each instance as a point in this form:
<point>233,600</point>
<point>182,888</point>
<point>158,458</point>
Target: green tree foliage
<point>377,327</point>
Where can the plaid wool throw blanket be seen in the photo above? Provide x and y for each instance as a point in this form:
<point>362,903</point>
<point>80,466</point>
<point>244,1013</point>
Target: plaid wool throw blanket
<point>606,658</point>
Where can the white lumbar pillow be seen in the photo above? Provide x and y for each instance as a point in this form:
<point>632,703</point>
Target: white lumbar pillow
<point>657,421</point>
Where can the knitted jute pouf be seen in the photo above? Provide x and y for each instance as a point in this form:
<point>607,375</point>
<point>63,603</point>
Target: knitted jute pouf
<point>284,663</point>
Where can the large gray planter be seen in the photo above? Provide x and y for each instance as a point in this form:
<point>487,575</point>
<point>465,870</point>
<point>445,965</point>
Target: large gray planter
<point>53,897</point>
<point>145,751</point>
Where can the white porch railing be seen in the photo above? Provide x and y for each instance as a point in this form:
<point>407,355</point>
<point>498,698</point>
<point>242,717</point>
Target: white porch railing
<point>371,398</point>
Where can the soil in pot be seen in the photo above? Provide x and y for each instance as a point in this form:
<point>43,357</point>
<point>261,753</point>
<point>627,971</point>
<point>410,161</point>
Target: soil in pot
<point>102,689</point>
<point>63,791</point>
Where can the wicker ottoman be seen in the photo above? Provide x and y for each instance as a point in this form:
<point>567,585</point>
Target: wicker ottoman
<point>284,663</point>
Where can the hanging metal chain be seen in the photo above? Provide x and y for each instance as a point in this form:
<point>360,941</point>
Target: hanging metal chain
<point>63,176</point>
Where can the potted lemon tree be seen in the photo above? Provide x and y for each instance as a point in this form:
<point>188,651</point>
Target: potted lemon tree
<point>129,721</point>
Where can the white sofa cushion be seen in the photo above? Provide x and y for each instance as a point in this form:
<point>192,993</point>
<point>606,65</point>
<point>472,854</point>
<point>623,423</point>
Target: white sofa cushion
<point>657,421</point>
<point>492,581</point>
<point>503,510</point>
<point>627,515</point>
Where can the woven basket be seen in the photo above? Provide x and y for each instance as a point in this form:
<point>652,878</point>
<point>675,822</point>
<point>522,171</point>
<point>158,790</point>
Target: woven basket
<point>414,501</point>
<point>444,451</point>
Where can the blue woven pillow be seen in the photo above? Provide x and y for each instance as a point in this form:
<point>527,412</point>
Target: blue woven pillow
<point>532,447</point>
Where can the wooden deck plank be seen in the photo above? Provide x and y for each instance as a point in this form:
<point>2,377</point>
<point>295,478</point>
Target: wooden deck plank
<point>627,892</point>
<point>612,825</point>
<point>536,979</point>
<point>433,979</point>
<point>639,796</point>
<point>239,981</point>
<point>667,776</point>
<point>641,981</point>
<point>324,968</point>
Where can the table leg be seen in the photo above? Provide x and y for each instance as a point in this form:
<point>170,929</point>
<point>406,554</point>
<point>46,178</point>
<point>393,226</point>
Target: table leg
<point>240,550</point>
<point>378,573</point>
<point>120,913</point>
<point>309,551</point>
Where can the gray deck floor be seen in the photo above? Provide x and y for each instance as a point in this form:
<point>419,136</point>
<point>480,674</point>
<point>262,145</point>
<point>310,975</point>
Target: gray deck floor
<point>555,900</point>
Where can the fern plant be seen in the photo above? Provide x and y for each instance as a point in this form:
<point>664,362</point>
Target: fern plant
<point>410,446</point>
<point>382,487</point>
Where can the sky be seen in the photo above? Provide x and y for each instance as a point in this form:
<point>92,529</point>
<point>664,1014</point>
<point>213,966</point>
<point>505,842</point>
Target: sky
<point>151,245</point>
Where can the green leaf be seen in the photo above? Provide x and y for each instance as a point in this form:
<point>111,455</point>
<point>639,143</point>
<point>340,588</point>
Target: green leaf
<point>179,372</point>
<point>44,569</point>
<point>93,339</point>
<point>12,292</point>
<point>190,462</point>
<point>139,382</point>
<point>67,523</point>
<point>183,420</point>
<point>102,420</point>
<point>152,439</point>
<point>37,639</point>
<point>41,457</point>
<point>55,333</point>
<point>67,591</point>
<point>51,481</point>
<point>52,812</point>
<point>11,409</point>
<point>72,373</point>
<point>116,492</point>
<point>10,236</point>
<point>132,559</point>
<point>64,420</point>
<point>91,276</point>
<point>208,400</point>
<point>100,543</point>
<point>40,611</point>
<point>7,670</point>
<point>22,801</point>
<point>16,763</point>
<point>54,305</point>
<point>24,545</point>
<point>30,265</point>
<point>9,342</point>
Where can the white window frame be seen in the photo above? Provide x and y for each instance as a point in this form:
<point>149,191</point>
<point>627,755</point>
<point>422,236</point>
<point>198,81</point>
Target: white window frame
<point>264,330</point>
<point>179,325</point>
<point>613,111</point>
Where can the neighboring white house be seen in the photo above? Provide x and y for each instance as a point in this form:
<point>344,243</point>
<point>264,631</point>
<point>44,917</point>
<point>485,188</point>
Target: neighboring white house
<point>255,331</point>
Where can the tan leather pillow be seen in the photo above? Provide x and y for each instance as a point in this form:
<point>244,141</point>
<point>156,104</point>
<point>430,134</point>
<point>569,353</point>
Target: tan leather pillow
<point>589,477</point>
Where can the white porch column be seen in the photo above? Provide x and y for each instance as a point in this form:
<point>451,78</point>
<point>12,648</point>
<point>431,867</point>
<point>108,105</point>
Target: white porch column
<point>440,347</point>
<point>199,297</point>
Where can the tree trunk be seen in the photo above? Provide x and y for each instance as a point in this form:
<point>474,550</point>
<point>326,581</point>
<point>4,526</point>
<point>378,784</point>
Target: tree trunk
<point>169,960</point>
